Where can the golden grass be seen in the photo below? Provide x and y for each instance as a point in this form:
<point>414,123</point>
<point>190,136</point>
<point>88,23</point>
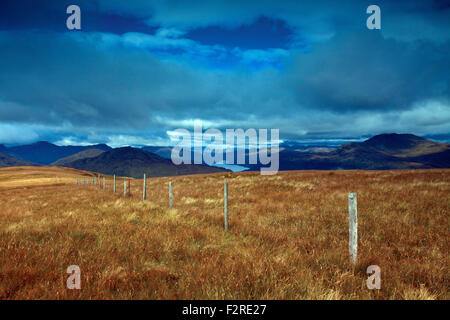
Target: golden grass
<point>288,236</point>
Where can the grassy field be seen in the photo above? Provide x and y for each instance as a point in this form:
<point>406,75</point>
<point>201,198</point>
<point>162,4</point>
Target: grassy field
<point>288,236</point>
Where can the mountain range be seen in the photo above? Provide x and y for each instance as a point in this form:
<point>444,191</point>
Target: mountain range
<point>45,153</point>
<point>385,151</point>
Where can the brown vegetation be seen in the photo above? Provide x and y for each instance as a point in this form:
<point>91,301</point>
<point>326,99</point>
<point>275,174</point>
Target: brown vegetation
<point>288,236</point>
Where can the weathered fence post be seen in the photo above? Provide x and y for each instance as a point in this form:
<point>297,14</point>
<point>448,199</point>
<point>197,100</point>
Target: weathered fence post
<point>225,204</point>
<point>353,227</point>
<point>144,192</point>
<point>170,195</point>
<point>124,188</point>
<point>114,184</point>
<point>104,183</point>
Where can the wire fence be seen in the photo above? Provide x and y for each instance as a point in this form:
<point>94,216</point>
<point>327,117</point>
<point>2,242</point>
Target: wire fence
<point>367,235</point>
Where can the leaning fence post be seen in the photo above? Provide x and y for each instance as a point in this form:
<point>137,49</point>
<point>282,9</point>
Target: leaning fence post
<point>114,183</point>
<point>144,192</point>
<point>124,188</point>
<point>225,203</point>
<point>170,195</point>
<point>353,227</point>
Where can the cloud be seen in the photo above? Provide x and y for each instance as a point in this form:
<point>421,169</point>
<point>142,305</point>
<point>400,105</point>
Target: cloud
<point>264,57</point>
<point>135,87</point>
<point>13,133</point>
<point>364,71</point>
<point>401,20</point>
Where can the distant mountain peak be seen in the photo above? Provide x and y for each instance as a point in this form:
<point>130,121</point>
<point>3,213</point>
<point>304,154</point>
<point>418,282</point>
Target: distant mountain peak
<point>44,152</point>
<point>134,162</point>
<point>393,137</point>
<point>44,143</point>
<point>397,144</point>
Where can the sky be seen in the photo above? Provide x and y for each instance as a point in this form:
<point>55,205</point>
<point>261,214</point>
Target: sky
<point>138,70</point>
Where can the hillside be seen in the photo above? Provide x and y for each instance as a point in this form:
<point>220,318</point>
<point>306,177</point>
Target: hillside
<point>287,237</point>
<point>133,162</point>
<point>89,153</point>
<point>8,161</point>
<point>164,152</point>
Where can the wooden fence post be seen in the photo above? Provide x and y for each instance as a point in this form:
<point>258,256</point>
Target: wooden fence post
<point>144,192</point>
<point>104,183</point>
<point>225,204</point>
<point>353,227</point>
<point>170,195</point>
<point>124,188</point>
<point>114,184</point>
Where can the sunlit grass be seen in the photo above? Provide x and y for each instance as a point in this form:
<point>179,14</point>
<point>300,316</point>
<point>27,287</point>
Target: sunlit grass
<point>288,236</point>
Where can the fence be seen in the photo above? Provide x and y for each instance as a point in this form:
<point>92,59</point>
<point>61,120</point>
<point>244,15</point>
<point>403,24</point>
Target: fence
<point>352,210</point>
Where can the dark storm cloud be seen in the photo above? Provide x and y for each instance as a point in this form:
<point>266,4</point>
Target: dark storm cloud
<point>364,71</point>
<point>178,64</point>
